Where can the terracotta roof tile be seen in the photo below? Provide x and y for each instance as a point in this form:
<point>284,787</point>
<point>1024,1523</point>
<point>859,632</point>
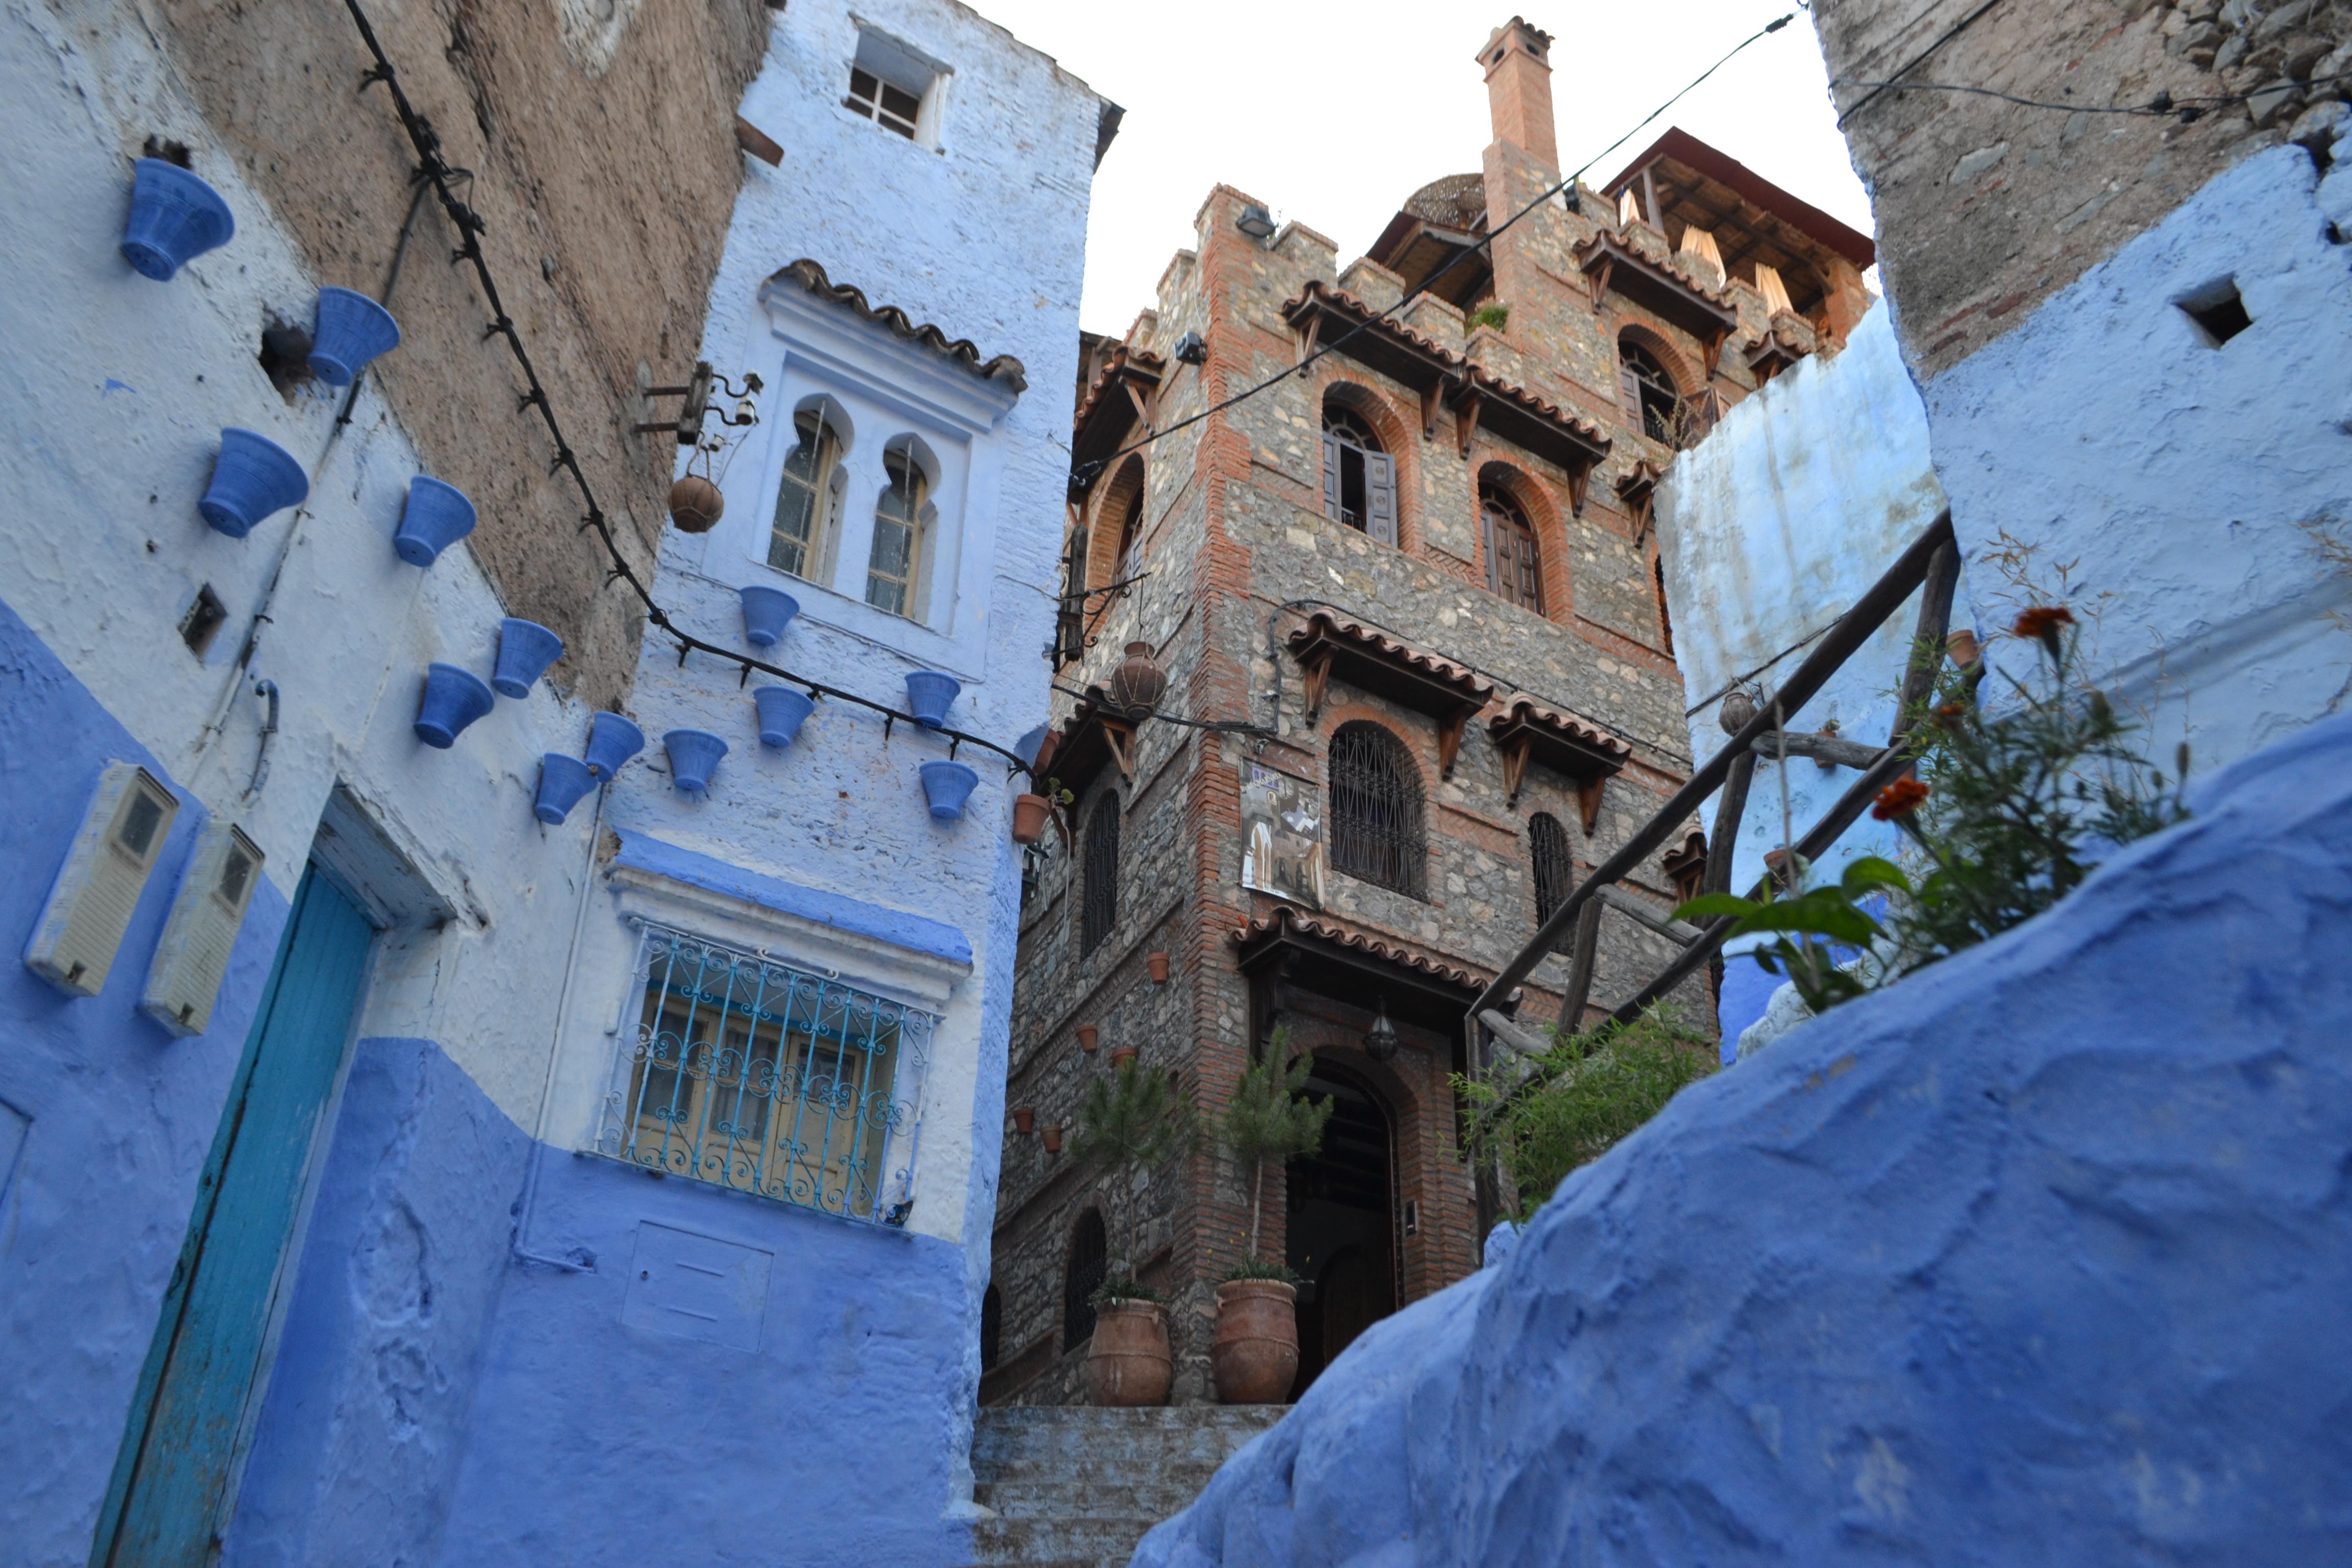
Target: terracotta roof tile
<point>811,276</point>
<point>1567,725</point>
<point>1298,920</point>
<point>1375,641</point>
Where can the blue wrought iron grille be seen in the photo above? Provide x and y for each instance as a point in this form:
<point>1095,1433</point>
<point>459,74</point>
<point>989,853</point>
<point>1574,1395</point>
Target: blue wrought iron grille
<point>754,1076</point>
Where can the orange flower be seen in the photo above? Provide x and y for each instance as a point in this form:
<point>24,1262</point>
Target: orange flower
<point>1949,715</point>
<point>2042,622</point>
<point>1900,798</point>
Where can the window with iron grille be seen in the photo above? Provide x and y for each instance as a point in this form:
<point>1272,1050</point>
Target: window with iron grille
<point>1377,832</point>
<point>1555,867</point>
<point>749,1074</point>
<point>1513,568</point>
<point>1090,1266</point>
<point>1099,895</point>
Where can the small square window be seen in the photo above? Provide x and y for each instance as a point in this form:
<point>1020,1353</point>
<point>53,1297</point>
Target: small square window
<point>2218,311</point>
<point>890,83</point>
<point>883,102</point>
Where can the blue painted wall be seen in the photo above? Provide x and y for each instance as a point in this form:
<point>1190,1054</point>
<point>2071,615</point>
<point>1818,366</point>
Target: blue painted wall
<point>119,1116</point>
<point>2028,1258</point>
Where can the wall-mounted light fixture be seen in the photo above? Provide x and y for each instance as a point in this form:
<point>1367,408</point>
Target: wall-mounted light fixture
<point>1191,349</point>
<point>1380,1040</point>
<point>1255,222</point>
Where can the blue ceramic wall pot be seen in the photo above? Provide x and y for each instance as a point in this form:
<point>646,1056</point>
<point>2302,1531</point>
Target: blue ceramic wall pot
<point>454,698</point>
<point>928,696</point>
<point>561,781</point>
<point>766,613</point>
<point>612,741</point>
<point>352,329</point>
<point>782,710</point>
<point>525,650</point>
<point>947,785</point>
<point>436,518</point>
<point>693,756</point>
<point>252,477</point>
<point>175,217</point>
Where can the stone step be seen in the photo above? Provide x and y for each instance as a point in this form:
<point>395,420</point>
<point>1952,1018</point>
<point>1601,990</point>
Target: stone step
<point>1209,1433</point>
<point>1030,1541</point>
<point>1114,1471</point>
<point>1155,1498</point>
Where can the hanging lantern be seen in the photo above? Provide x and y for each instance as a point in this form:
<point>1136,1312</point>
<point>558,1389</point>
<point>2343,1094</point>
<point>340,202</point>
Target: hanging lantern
<point>1137,685</point>
<point>1738,710</point>
<point>695,504</point>
<point>1380,1040</point>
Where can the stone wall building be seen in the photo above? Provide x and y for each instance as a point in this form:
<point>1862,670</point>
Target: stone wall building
<point>1408,604</point>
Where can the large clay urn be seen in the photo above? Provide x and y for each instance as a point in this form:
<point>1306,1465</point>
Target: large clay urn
<point>1256,1357</point>
<point>1127,1363</point>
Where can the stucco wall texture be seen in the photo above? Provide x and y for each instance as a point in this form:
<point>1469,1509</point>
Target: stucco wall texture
<point>2201,492</point>
<point>2025,1259</point>
<point>1795,503</point>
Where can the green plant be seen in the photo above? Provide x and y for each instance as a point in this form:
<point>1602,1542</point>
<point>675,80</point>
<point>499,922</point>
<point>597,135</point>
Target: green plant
<point>1490,314</point>
<point>1585,1095</point>
<point>1118,1287</point>
<point>1268,1119</point>
<point>1257,1267</point>
<point>2008,813</point>
<point>1131,1119</point>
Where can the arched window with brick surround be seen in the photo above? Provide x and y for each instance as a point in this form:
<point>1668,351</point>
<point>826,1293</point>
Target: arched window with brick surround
<point>1514,567</point>
<point>1378,833</point>
<point>1359,477</point>
<point>1651,395</point>
<point>1098,890</point>
<point>1553,862</point>
<point>1088,1267</point>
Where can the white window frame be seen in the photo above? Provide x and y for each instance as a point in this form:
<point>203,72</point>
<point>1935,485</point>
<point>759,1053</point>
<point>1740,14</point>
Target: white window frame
<point>892,59</point>
<point>652,905</point>
<point>881,387</point>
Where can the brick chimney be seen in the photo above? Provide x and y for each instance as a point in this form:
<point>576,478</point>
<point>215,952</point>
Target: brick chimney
<point>1519,89</point>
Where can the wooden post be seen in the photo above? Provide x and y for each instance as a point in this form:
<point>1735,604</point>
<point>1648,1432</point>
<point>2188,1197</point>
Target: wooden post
<point>1579,967</point>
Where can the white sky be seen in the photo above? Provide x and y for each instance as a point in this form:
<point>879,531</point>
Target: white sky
<point>1333,114</point>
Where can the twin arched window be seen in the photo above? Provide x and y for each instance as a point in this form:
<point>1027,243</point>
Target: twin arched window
<point>1378,833</point>
<point>1359,479</point>
<point>1098,890</point>
<point>803,537</point>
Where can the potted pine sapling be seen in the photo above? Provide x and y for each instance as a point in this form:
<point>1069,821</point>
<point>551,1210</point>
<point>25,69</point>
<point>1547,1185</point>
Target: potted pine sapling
<point>1130,1120</point>
<point>1256,1357</point>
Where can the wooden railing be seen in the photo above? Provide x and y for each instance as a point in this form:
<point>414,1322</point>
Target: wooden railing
<point>1932,560</point>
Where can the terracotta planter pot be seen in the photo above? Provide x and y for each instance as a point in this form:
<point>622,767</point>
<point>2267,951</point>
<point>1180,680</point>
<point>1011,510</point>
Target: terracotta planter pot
<point>1158,963</point>
<point>1256,1357</point>
<point>695,504</point>
<point>1088,1036</point>
<point>1029,815</point>
<point>1025,1119</point>
<point>1127,1362</point>
<point>1962,645</point>
<point>1121,1056</point>
<point>1052,1140</point>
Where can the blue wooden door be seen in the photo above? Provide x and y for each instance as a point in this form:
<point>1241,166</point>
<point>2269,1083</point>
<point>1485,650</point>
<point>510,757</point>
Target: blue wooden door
<point>180,1441</point>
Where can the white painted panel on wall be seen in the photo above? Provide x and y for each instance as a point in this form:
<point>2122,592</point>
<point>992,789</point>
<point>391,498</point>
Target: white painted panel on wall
<point>697,1287</point>
<point>91,905</point>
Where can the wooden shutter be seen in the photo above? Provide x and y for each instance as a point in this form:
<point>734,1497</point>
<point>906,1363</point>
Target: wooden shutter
<point>1630,389</point>
<point>1379,497</point>
<point>1332,475</point>
<point>1488,538</point>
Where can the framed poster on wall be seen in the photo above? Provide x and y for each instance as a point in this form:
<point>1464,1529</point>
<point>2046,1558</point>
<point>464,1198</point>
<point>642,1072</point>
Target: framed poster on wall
<point>1282,836</point>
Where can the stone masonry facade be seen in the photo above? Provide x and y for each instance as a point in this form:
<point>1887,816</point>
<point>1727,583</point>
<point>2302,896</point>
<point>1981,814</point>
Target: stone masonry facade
<point>1231,553</point>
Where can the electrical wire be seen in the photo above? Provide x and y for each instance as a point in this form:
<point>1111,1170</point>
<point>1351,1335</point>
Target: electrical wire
<point>2163,106</point>
<point>436,170</point>
<point>1084,472</point>
<point>1946,36</point>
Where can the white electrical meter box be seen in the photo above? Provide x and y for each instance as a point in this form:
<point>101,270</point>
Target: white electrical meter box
<point>95,895</point>
<point>199,938</point>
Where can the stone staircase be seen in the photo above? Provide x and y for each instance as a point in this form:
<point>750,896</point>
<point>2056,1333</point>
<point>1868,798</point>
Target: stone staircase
<point>1075,1487</point>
